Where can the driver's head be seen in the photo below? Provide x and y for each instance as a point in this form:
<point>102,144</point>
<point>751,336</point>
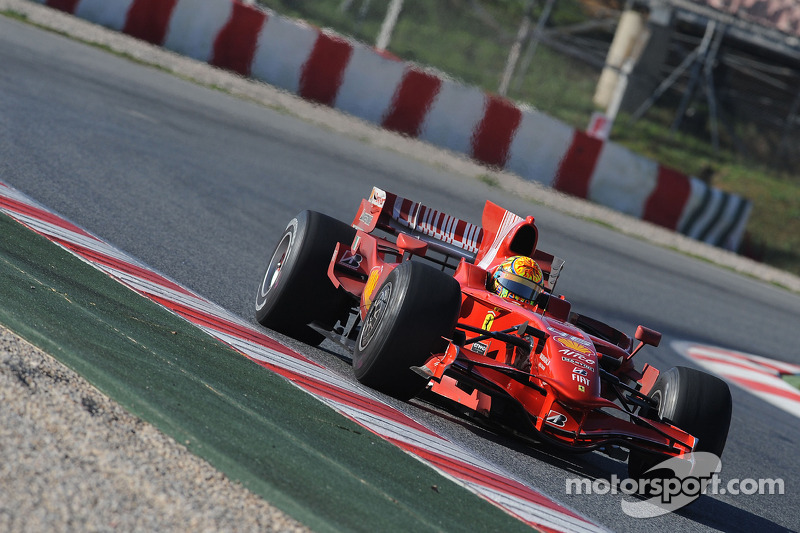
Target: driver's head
<point>517,278</point>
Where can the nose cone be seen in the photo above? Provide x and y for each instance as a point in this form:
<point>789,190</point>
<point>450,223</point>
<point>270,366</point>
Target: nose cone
<point>573,366</point>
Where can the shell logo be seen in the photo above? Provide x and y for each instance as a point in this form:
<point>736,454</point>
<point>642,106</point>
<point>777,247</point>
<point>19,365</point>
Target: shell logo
<point>572,345</point>
<point>372,282</point>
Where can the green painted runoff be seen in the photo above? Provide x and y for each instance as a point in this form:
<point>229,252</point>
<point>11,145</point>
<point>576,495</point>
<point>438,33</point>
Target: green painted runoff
<point>250,423</point>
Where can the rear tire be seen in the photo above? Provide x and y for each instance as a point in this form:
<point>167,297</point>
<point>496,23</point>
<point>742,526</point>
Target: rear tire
<point>414,309</point>
<point>695,401</point>
<point>295,290</point>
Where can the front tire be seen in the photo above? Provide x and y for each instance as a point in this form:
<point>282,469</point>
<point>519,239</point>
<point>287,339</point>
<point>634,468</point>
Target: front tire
<point>694,401</point>
<point>295,290</point>
<point>414,309</point>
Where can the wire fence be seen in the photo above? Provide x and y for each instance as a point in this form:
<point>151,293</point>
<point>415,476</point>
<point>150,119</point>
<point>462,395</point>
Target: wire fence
<point>550,54</point>
<point>470,41</point>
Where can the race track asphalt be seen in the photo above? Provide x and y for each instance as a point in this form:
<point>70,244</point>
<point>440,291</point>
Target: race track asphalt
<point>198,184</point>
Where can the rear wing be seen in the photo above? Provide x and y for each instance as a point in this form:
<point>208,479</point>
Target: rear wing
<point>442,232</point>
<point>501,234</point>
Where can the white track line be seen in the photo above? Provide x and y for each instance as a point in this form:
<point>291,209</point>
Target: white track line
<point>756,374</point>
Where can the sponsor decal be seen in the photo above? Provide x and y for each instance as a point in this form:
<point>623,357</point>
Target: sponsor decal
<point>556,419</point>
<point>580,371</point>
<point>351,260</point>
<point>576,362</point>
<point>571,344</point>
<point>479,348</point>
<point>544,359</point>
<point>378,197</point>
<point>577,355</point>
<point>573,338</point>
<point>372,281</point>
<point>366,218</point>
<point>581,388</point>
<point>580,379</point>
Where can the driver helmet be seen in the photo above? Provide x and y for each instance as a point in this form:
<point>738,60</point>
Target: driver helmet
<point>517,278</point>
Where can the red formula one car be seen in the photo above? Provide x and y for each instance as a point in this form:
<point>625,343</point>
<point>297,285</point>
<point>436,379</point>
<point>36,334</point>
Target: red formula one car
<point>416,294</point>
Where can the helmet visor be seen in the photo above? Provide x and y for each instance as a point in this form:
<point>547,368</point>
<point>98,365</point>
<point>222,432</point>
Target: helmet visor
<point>519,286</point>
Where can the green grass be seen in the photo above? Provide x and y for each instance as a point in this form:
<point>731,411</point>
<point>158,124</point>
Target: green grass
<point>794,381</point>
<point>774,225</point>
<point>489,180</point>
<point>10,13</point>
<point>451,36</point>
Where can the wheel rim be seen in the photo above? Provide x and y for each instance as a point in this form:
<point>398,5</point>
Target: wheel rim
<point>375,316</point>
<point>272,274</point>
<point>657,397</point>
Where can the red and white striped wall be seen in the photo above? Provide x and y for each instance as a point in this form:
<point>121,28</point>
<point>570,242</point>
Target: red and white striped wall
<point>757,375</point>
<point>400,96</point>
<point>349,399</point>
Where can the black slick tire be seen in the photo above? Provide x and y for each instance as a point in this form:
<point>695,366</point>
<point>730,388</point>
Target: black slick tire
<point>410,314</point>
<point>295,289</point>
<point>695,401</point>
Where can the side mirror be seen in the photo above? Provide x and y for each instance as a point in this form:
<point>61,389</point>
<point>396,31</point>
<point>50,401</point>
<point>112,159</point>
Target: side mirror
<point>647,336</point>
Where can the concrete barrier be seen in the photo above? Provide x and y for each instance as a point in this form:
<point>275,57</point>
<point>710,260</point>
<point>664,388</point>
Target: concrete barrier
<point>333,70</point>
